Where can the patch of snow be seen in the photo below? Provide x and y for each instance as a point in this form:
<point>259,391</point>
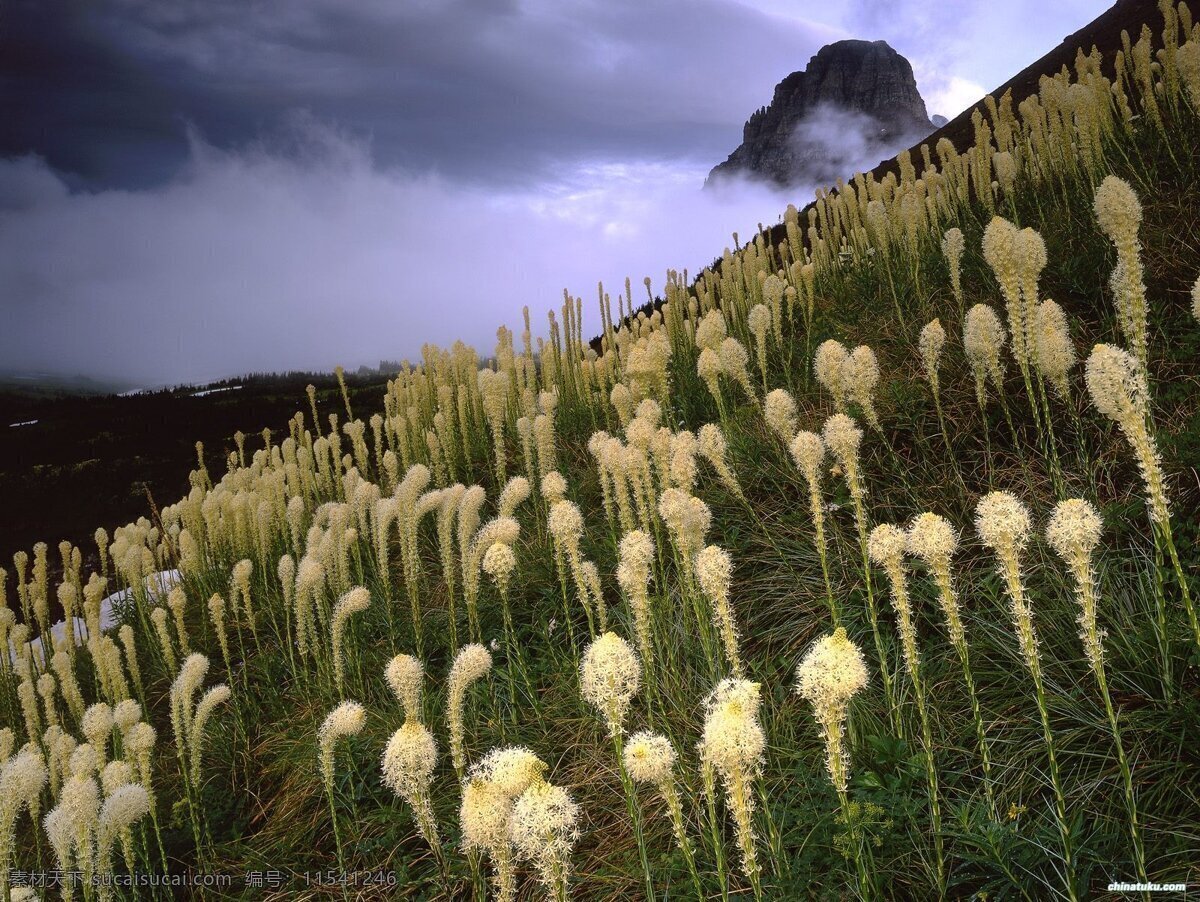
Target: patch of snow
<point>158,584</point>
<point>213,391</point>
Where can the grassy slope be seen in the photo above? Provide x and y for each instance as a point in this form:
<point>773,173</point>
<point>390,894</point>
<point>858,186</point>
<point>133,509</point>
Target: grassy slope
<point>779,600</point>
<point>263,801</point>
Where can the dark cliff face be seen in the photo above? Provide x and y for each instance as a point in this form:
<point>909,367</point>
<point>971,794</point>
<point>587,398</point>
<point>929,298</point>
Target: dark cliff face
<point>855,102</point>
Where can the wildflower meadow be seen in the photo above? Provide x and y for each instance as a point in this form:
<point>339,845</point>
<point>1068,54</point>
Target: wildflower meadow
<point>861,564</point>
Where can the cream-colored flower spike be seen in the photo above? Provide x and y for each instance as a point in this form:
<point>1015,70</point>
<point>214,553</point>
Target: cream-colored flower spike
<point>489,795</point>
<point>829,364</point>
<point>515,492</point>
<point>242,572</point>
<point>1002,521</point>
<point>829,676</point>
<point>470,664</point>
<point>183,693</point>
<point>216,611</point>
<point>1118,389</point>
<point>734,745</point>
<point>353,602</point>
<point>779,411</point>
<point>622,401</point>
<point>499,562</point>
<point>759,322</point>
<point>565,523</point>
<point>1074,532</point>
<point>411,754</point>
<point>983,340</point>
<point>544,828</point>
<point>347,719</point>
<point>808,451</point>
<point>953,245</point>
<point>1053,352</point>
<point>404,675</point>
<point>484,814</point>
<point>554,487</point>
<point>408,763</point>
<point>61,833</point>
<point>650,758</point>
<point>159,618</point>
<point>177,600</point>
<point>22,778</point>
<point>930,344</point>
<point>688,520</point>
<point>710,441</point>
<point>714,572</point>
<point>138,744</point>
<point>1033,259</point>
<point>208,703</point>
<point>861,375</point>
<point>711,331</point>
<point>126,714</point>
<point>1003,524</point>
<point>124,807</point>
<point>512,769</point>
<point>843,437</point>
<point>708,368</point>
<point>1119,213</point>
<point>633,576</point>
<point>734,359</point>
<point>80,801</point>
<point>681,465</point>
<point>46,688</point>
<point>886,545</point>
<point>609,677</point>
<point>1187,59</point>
<point>97,727</point>
<point>1004,249</point>
<point>544,440</point>
<point>932,539</point>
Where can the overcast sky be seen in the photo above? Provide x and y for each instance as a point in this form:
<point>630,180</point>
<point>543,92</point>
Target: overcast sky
<point>191,189</point>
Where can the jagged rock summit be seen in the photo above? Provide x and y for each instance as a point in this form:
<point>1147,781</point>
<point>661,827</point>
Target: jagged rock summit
<point>855,102</point>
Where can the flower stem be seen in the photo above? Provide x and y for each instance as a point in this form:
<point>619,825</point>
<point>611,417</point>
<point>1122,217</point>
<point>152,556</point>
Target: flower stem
<point>635,813</point>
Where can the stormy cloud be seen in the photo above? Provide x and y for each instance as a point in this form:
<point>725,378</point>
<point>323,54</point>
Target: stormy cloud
<point>191,189</point>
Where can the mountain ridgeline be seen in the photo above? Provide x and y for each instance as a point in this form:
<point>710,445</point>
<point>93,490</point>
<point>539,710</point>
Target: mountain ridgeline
<point>855,103</point>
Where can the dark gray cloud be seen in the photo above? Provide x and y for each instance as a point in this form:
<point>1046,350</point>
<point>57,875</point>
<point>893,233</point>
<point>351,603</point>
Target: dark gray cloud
<point>493,91</point>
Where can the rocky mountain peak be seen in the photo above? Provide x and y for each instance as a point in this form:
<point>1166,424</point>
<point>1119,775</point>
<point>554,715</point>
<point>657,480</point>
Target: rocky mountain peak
<point>855,101</point>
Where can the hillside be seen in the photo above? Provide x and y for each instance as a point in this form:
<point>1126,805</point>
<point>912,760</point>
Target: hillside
<point>85,460</point>
<point>863,567</point>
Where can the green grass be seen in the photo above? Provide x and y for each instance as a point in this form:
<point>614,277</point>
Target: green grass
<point>262,796</point>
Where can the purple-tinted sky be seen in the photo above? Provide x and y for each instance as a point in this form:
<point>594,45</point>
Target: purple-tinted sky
<point>195,188</point>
